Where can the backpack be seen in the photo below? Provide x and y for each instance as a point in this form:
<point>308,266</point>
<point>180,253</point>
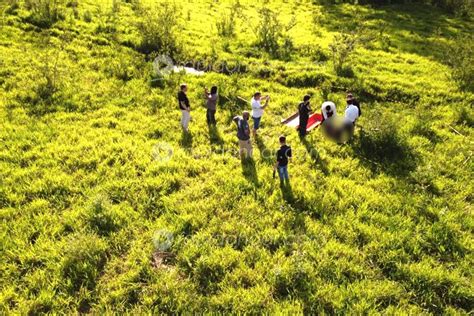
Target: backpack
<point>240,130</point>
<point>357,104</point>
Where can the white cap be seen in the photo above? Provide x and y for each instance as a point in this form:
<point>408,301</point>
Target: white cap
<point>331,104</point>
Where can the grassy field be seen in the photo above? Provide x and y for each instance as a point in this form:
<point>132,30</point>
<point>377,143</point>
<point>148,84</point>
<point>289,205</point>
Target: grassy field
<point>106,206</point>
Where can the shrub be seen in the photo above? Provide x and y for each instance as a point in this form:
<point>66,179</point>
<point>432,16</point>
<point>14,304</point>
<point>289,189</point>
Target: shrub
<point>313,51</point>
<point>45,93</point>
<point>100,216</point>
<point>306,79</point>
<point>87,16</point>
<point>158,28</point>
<point>44,13</point>
<point>381,144</point>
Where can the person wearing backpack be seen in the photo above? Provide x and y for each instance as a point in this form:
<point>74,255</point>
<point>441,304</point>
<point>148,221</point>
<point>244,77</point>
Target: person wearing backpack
<point>304,110</point>
<point>283,157</point>
<point>243,134</point>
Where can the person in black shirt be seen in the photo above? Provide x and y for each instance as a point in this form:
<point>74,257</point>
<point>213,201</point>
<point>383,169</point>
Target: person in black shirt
<point>184,107</point>
<point>283,157</point>
<point>304,110</point>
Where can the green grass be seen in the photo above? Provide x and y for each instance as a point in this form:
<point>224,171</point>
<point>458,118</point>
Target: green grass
<point>95,218</point>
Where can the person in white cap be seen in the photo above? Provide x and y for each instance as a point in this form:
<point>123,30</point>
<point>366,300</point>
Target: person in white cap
<point>328,111</point>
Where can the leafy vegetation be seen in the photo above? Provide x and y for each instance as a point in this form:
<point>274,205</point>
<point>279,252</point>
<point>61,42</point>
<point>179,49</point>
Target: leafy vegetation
<point>106,207</point>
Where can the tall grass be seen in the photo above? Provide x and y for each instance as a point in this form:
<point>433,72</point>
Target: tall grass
<point>107,207</point>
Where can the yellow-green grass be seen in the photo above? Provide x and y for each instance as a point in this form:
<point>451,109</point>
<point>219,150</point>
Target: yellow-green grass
<point>382,224</point>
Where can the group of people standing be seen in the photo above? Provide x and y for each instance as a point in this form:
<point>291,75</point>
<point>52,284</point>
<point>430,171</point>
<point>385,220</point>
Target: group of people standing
<point>258,104</point>
<point>329,117</point>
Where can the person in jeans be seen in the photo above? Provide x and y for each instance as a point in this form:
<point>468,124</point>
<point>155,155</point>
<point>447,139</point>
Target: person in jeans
<point>257,109</point>
<point>243,134</point>
<point>304,110</point>
<point>184,107</point>
<point>283,157</point>
<point>211,105</point>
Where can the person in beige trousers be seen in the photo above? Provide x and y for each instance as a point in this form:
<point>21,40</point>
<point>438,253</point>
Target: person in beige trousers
<point>243,134</point>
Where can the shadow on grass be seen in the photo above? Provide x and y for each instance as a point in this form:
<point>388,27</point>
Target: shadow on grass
<point>313,153</point>
<point>214,136</point>
<point>299,204</point>
<point>249,170</point>
<point>265,153</point>
<point>413,29</point>
<point>287,192</point>
<point>382,149</point>
<point>186,140</point>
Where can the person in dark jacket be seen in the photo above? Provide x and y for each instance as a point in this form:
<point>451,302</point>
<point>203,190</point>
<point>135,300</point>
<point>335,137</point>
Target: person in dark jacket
<point>211,105</point>
<point>304,110</point>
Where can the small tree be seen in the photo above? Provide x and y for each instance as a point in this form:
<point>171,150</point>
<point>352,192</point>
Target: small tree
<point>273,36</point>
<point>226,25</point>
<point>341,49</point>
<point>158,28</point>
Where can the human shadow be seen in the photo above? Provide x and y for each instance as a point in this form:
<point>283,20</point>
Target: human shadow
<point>287,191</point>
<point>298,203</point>
<point>265,154</point>
<point>315,156</point>
<point>249,170</point>
<point>186,140</point>
<point>215,137</point>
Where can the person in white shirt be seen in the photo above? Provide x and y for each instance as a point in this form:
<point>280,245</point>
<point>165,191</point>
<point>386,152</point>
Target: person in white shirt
<point>352,114</point>
<point>350,117</point>
<point>257,109</point>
